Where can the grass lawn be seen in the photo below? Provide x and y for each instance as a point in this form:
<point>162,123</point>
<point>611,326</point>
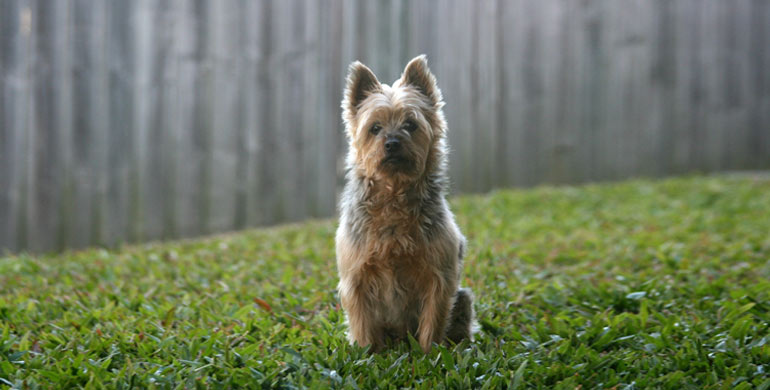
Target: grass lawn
<point>634,285</point>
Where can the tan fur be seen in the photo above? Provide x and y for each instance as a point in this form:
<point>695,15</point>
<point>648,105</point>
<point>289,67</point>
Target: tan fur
<point>399,251</point>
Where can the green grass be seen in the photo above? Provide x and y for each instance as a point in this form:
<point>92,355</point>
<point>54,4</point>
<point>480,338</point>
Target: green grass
<point>636,285</point>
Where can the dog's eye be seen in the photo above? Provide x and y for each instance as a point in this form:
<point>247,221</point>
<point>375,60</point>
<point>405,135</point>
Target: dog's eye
<point>409,126</point>
<point>375,129</point>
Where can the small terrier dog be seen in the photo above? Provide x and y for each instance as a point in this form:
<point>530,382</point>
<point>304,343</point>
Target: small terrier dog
<point>399,250</point>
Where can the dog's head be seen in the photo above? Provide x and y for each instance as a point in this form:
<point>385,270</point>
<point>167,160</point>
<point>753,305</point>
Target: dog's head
<point>394,132</point>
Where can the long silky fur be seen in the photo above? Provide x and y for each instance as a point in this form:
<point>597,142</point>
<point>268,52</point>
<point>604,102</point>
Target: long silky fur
<point>399,250</point>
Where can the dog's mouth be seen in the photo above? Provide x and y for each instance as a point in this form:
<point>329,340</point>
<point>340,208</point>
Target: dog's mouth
<point>397,164</point>
<point>395,161</point>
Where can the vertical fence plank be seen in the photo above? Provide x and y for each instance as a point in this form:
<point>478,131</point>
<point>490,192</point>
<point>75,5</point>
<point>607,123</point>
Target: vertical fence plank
<point>16,41</point>
<point>50,221</point>
<point>223,35</point>
<point>329,84</point>
<point>25,111</point>
<point>281,132</point>
<point>663,79</point>
<point>246,120</point>
<point>568,161</point>
<point>266,109</point>
<point>511,28</point>
<point>552,152</point>
<point>144,101</point>
<point>99,122</point>
<point>120,61</point>
<point>484,94</point>
<point>311,128</point>
<point>730,84</point>
<point>712,65</point>
<point>157,19</point>
<point>694,89</point>
<point>760,83</point>
<point>622,144</point>
<point>202,115</point>
<point>740,96</point>
<point>62,71</point>
<point>532,150</point>
<point>293,103</point>
<point>683,151</point>
<point>190,182</point>
<point>43,181</point>
<point>83,14</point>
<point>9,33</point>
<point>456,53</point>
<point>180,210</point>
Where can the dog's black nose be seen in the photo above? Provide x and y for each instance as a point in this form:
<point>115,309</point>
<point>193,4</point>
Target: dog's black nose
<point>392,144</point>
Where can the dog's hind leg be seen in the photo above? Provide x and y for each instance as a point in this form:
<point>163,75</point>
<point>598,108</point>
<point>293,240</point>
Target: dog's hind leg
<point>462,323</point>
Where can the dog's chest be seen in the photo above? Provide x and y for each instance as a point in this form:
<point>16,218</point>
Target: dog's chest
<point>397,290</point>
<point>393,228</point>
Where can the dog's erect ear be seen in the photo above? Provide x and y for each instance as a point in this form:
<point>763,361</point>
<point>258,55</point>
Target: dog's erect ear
<point>418,75</point>
<point>361,82</point>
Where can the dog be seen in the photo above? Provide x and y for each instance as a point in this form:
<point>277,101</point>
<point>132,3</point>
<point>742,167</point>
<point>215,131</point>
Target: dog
<point>399,250</point>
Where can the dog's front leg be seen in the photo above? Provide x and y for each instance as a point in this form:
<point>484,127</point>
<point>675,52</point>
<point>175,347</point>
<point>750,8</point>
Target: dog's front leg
<point>362,327</point>
<point>433,317</point>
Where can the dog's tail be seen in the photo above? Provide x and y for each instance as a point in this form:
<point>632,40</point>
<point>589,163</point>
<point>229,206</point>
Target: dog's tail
<point>462,322</point>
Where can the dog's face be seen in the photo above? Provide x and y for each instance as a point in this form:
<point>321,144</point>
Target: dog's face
<point>393,131</point>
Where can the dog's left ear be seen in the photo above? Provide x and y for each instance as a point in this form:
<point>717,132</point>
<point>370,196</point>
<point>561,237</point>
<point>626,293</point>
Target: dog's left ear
<point>418,75</point>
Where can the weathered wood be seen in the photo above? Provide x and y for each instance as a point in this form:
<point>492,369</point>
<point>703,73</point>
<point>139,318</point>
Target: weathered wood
<point>157,20</point>
<point>312,127</point>
<point>246,120</point>
<point>328,120</point>
<point>99,120</point>
<point>457,53</point>
<point>44,151</point>
<point>16,40</point>
<point>83,133</point>
<point>144,101</point>
<point>126,121</point>
<point>170,124</point>
<point>190,54</point>
<point>484,95</point>
<point>759,62</point>
<point>120,121</point>
<point>224,154</point>
<point>9,30</point>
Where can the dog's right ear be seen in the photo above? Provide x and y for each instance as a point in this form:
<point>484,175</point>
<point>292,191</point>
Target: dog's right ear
<point>361,83</point>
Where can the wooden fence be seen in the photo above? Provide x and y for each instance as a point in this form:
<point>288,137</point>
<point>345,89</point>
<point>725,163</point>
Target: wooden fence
<point>153,119</point>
